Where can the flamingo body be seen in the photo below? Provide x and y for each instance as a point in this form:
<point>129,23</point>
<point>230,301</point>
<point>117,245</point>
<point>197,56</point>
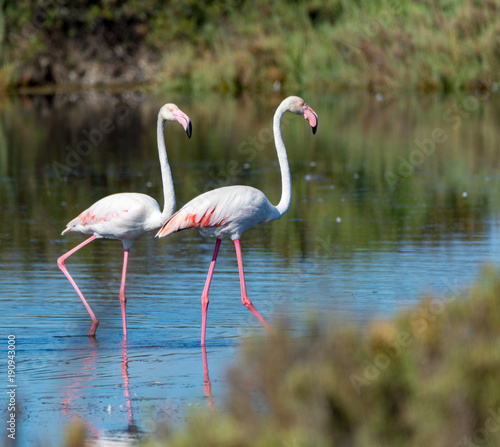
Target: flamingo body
<point>223,212</point>
<point>229,211</point>
<point>122,216</point>
<point>126,216</point>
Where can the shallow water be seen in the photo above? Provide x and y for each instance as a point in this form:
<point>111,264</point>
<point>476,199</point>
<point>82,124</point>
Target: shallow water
<point>355,245</point>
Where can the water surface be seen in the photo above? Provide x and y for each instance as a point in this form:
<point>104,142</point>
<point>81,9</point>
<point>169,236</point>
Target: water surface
<point>381,213</point>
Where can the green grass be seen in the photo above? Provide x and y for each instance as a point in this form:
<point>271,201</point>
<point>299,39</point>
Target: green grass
<point>235,46</point>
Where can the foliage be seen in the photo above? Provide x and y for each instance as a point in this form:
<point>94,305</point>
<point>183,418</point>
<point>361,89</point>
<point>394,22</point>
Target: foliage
<point>240,45</point>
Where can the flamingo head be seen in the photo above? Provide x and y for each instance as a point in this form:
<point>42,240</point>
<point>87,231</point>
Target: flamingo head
<point>299,107</point>
<point>170,112</point>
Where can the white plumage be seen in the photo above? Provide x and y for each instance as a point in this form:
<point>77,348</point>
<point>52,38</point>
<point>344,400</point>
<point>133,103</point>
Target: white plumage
<point>122,216</point>
<point>229,211</point>
<point>223,212</point>
<point>126,216</point>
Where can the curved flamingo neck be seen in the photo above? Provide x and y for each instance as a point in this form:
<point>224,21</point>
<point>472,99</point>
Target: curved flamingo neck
<point>166,174</point>
<point>286,179</point>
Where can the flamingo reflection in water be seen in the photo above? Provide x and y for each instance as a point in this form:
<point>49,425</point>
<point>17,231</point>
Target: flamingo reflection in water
<point>78,381</point>
<point>81,379</point>
<point>132,428</point>
<point>207,385</point>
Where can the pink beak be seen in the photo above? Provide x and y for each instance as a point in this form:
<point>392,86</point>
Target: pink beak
<point>311,116</point>
<point>184,120</point>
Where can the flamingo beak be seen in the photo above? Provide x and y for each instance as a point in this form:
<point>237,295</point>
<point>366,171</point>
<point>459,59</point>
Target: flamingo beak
<point>311,116</point>
<point>183,120</point>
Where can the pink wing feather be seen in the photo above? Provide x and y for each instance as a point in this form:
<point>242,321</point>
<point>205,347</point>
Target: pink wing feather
<point>88,218</point>
<point>118,216</point>
<point>235,208</point>
<point>191,217</point>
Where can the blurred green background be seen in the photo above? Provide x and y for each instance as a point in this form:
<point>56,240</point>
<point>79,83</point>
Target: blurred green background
<point>236,46</point>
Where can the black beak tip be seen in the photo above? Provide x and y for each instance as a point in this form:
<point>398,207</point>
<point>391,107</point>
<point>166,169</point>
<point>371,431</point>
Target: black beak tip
<point>189,129</point>
<point>314,129</point>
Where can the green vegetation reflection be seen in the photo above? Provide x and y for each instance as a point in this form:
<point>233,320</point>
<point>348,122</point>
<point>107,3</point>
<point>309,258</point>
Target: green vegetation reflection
<point>367,177</point>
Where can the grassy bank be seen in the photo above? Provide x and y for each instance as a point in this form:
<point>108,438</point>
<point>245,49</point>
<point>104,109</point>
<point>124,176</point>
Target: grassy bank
<point>428,377</point>
<point>234,46</point>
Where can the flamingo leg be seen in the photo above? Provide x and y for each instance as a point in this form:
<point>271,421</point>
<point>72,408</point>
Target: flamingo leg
<point>207,386</point>
<point>204,295</point>
<point>60,263</point>
<point>123,299</point>
<point>244,297</point>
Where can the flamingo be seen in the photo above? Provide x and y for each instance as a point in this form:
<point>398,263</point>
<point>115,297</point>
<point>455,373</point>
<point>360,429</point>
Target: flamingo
<point>126,216</point>
<point>230,210</point>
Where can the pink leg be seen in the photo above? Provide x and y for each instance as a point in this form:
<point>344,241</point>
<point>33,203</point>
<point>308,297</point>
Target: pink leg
<point>244,297</point>
<point>207,386</point>
<point>204,295</point>
<point>60,263</point>
<point>123,299</point>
